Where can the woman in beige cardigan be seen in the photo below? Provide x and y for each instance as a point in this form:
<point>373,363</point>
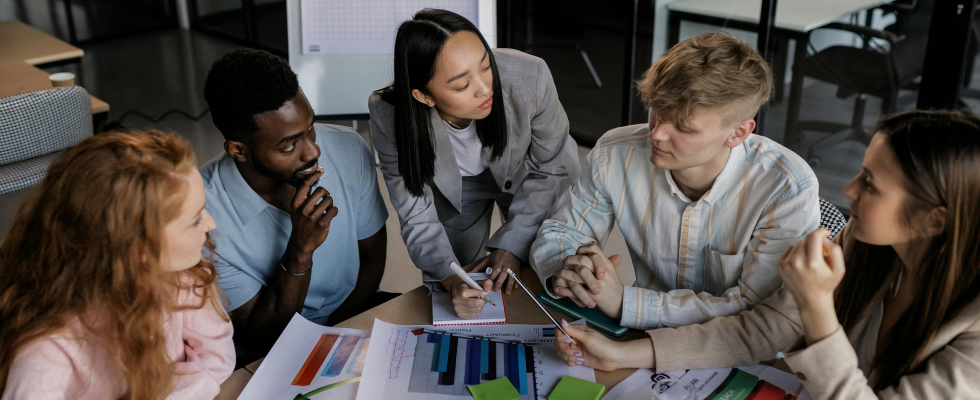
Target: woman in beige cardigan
<point>902,323</point>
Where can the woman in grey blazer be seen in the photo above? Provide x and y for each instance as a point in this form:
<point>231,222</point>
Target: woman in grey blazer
<point>460,128</point>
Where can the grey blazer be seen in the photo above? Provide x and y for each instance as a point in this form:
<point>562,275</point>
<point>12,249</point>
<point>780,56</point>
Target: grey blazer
<point>540,163</point>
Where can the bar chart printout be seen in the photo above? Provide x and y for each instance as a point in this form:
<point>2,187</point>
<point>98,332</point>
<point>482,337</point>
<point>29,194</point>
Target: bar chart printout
<point>483,360</point>
<point>429,363</point>
<point>310,361</point>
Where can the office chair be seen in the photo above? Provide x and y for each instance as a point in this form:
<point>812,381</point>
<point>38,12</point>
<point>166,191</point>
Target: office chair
<point>35,128</point>
<point>831,218</point>
<point>871,69</point>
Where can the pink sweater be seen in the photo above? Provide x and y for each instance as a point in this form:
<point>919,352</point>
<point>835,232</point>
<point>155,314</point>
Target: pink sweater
<point>74,365</point>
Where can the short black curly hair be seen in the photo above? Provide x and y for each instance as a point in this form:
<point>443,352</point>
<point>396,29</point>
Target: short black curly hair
<point>243,83</point>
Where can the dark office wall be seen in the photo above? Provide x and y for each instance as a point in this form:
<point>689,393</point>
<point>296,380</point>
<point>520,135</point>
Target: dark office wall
<point>255,23</point>
<point>572,34</point>
<point>81,21</point>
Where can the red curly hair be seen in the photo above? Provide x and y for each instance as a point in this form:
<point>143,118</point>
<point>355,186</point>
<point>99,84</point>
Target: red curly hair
<point>90,240</point>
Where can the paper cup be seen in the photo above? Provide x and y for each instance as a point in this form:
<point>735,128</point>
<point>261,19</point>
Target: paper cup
<point>62,79</point>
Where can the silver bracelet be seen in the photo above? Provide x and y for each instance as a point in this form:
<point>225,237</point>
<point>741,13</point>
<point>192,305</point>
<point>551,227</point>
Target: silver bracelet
<point>293,273</point>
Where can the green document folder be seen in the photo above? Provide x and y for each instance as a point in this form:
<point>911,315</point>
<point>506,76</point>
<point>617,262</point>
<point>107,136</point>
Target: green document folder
<point>593,316</point>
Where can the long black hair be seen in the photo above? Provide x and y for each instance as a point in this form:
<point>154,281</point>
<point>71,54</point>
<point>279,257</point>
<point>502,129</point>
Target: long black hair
<point>417,44</point>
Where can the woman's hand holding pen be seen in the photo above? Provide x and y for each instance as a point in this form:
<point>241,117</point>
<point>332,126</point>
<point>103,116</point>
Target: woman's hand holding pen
<point>468,302</point>
<point>590,348</point>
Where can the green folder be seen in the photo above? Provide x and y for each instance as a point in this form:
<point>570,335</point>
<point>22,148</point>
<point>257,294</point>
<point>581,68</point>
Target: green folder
<point>594,316</point>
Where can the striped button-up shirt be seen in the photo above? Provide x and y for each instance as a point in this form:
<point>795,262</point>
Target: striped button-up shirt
<point>694,259</point>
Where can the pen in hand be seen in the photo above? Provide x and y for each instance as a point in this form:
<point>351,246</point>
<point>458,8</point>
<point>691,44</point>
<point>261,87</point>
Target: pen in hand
<point>469,281</point>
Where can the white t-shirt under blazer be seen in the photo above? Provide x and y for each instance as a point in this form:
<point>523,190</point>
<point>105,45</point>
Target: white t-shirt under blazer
<point>468,149</point>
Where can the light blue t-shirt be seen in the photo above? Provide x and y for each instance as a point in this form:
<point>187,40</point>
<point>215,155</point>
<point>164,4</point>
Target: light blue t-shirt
<point>251,234</point>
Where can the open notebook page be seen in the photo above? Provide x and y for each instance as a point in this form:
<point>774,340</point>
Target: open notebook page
<point>444,314</point>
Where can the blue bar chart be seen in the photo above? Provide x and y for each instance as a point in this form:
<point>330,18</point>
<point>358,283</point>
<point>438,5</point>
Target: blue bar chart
<point>413,362</point>
<point>446,364</point>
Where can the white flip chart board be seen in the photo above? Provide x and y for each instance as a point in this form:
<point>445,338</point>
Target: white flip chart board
<point>342,50</point>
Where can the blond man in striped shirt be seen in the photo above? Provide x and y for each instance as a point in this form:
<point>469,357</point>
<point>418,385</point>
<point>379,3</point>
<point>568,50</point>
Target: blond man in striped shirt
<point>706,207</point>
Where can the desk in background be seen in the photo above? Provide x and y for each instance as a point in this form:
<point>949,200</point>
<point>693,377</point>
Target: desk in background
<point>20,77</point>
<point>24,47</point>
<point>795,19</point>
<point>22,42</point>
<point>415,308</point>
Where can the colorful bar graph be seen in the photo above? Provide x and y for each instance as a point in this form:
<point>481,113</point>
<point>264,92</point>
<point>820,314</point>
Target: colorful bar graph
<point>521,370</point>
<point>512,370</point>
<point>491,358</point>
<point>473,375</point>
<point>484,356</point>
<point>467,361</point>
<point>339,358</point>
<point>470,358</point>
<point>308,371</point>
<point>435,356</point>
<point>444,350</point>
<point>470,361</point>
<point>506,350</point>
<point>530,369</point>
<point>449,376</point>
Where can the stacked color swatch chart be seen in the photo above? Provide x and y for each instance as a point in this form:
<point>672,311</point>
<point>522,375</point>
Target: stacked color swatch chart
<point>340,347</point>
<point>430,362</point>
<point>310,361</point>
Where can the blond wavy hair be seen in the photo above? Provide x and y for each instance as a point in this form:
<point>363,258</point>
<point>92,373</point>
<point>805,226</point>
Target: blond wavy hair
<point>710,71</point>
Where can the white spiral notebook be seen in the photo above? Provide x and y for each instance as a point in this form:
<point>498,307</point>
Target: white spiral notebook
<point>444,314</point>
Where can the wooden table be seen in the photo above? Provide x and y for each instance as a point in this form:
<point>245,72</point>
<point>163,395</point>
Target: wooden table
<point>21,48</point>
<point>20,77</point>
<point>415,308</point>
<point>22,42</point>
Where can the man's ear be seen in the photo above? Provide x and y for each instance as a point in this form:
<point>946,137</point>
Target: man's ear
<point>423,98</point>
<point>741,132</point>
<point>236,150</point>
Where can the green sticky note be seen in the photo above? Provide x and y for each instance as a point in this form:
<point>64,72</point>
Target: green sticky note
<point>497,389</point>
<point>571,388</point>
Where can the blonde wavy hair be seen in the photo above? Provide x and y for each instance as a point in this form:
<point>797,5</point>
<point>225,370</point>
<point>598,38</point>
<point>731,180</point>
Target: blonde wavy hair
<point>708,71</point>
<point>90,240</point>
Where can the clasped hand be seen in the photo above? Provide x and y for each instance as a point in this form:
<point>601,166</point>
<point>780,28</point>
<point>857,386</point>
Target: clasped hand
<point>589,279</point>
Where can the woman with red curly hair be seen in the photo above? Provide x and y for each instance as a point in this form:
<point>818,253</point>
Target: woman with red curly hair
<point>104,292</point>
